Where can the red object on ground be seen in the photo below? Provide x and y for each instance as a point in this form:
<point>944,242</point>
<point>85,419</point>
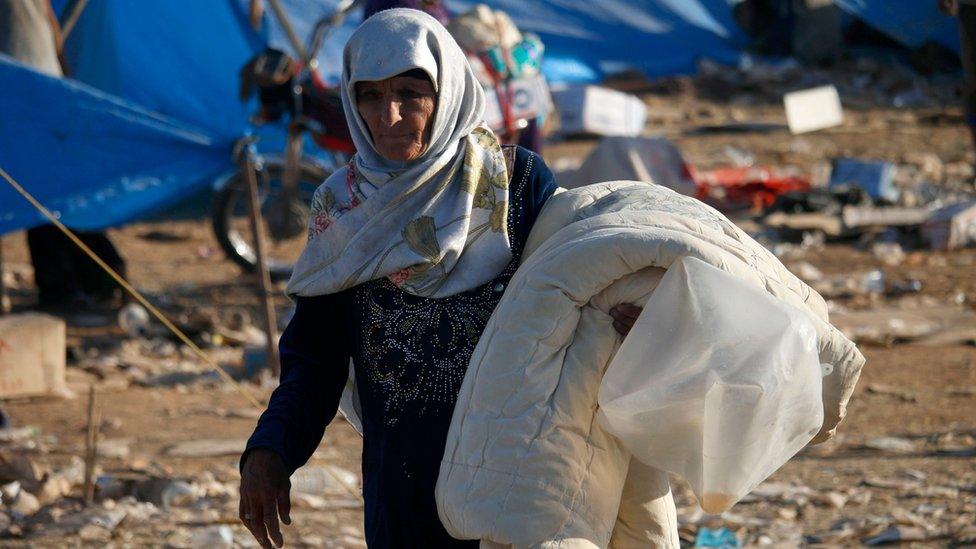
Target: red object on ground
<point>754,186</point>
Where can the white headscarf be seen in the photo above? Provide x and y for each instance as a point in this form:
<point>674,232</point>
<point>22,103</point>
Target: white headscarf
<point>436,225</point>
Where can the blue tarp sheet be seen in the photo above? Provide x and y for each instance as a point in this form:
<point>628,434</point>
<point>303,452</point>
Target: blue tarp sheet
<point>908,22</point>
<point>159,115</point>
<point>167,114</point>
<point>149,117</point>
<point>93,158</point>
<point>586,40</point>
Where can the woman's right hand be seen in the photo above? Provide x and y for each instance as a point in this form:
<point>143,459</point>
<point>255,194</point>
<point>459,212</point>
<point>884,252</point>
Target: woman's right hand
<point>264,496</point>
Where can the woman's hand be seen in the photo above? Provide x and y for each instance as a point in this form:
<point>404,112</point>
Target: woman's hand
<point>624,316</point>
<point>264,496</point>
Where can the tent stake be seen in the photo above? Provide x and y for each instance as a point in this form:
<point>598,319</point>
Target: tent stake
<point>91,448</point>
<point>261,267</point>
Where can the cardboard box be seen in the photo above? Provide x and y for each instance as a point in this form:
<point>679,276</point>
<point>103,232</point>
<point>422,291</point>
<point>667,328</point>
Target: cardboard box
<point>32,356</point>
<point>601,111</point>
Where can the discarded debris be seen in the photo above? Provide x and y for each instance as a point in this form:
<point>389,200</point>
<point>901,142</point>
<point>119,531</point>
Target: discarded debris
<point>213,537</point>
<point>897,534</point>
<point>892,445</point>
<point>722,538</point>
<point>931,325</point>
<point>207,448</point>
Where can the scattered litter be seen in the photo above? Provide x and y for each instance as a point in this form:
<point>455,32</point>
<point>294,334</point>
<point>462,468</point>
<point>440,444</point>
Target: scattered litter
<point>813,109</point>
<point>722,538</point>
<point>23,504</point>
<point>877,178</point>
<point>929,325</point>
<point>891,484</point>
<point>890,253</point>
<point>134,320</point>
<point>114,448</point>
<point>207,448</point>
<point>951,227</point>
<point>892,445</point>
<point>887,390</point>
<point>324,480</point>
<point>897,534</point>
<point>213,537</point>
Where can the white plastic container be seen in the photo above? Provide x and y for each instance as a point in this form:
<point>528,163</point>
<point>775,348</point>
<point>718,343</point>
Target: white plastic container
<point>718,382</point>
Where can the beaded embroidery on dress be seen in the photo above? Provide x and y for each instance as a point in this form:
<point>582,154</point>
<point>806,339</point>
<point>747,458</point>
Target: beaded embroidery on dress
<point>415,350</point>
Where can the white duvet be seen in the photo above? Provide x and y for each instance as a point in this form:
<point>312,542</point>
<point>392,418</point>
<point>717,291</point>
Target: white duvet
<point>526,463</point>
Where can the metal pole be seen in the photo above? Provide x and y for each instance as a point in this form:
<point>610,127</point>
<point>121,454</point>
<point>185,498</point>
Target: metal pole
<point>4,298</point>
<point>261,266</point>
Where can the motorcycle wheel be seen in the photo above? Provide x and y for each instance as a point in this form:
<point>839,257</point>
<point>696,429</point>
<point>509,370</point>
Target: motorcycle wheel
<point>285,221</point>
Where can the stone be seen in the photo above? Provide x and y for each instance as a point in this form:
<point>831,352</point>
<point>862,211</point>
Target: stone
<point>897,534</point>
<point>207,448</point>
<point>833,499</point>
<point>893,445</point>
<point>20,467</point>
<point>114,448</point>
<point>213,537</point>
<point>24,505</point>
<point>93,532</point>
<point>889,253</point>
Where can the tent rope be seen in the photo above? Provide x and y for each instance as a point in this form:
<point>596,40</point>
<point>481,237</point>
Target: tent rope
<point>156,312</point>
<point>130,289</point>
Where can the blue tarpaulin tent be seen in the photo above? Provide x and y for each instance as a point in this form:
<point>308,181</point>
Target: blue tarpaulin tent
<point>93,158</point>
<point>149,116</point>
<point>159,113</point>
<point>908,22</point>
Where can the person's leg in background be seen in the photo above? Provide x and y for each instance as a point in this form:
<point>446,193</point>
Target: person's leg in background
<point>967,41</point>
<point>52,256</point>
<point>94,281</point>
<point>64,275</point>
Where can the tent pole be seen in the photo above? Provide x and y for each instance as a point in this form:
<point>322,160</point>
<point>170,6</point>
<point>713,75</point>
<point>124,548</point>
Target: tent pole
<point>72,17</point>
<point>246,148</point>
<point>282,17</point>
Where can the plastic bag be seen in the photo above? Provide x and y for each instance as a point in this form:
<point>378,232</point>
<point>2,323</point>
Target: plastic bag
<point>718,382</point>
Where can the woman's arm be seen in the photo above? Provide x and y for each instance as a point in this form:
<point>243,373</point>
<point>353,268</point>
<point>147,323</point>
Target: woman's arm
<point>314,369</point>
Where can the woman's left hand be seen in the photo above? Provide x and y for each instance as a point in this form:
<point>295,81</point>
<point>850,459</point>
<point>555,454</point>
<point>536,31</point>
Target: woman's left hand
<point>624,316</point>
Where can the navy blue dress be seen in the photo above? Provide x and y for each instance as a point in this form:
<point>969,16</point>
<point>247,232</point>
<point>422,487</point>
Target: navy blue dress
<point>410,354</point>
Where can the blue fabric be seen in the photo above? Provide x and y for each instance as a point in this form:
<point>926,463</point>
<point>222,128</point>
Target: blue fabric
<point>94,159</point>
<point>407,408</point>
<point>178,58</point>
<point>655,37</point>
<point>877,178</point>
<point>909,22</point>
<point>586,40</point>
<point>165,115</point>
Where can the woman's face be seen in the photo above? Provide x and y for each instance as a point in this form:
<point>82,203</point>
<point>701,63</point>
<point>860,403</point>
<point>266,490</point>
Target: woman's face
<point>399,112</point>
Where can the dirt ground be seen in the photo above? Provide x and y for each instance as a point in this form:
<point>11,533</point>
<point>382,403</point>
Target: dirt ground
<point>923,394</point>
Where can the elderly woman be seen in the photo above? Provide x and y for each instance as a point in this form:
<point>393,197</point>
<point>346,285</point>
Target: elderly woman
<point>410,249</point>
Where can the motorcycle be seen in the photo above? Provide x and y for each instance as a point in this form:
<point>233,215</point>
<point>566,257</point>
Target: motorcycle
<point>292,91</point>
